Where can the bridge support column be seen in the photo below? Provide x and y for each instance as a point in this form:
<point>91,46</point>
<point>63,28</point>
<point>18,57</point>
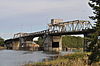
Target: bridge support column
<point>53,43</point>
<point>9,45</point>
<point>15,45</point>
<point>25,42</point>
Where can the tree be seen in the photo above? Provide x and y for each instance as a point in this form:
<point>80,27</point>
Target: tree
<point>1,41</point>
<point>94,46</point>
<point>40,41</point>
<point>72,42</point>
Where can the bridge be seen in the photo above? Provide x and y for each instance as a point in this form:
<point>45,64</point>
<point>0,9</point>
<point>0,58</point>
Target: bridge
<point>53,35</point>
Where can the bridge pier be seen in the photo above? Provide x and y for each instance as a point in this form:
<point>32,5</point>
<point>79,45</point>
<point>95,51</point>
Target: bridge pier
<point>53,43</point>
<point>15,45</point>
<point>8,45</point>
<point>25,42</point>
<point>19,44</point>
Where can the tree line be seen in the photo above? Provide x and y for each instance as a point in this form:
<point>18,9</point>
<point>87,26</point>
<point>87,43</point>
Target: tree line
<point>72,42</point>
<point>1,41</point>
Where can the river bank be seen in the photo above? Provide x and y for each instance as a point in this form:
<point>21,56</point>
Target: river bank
<point>74,59</point>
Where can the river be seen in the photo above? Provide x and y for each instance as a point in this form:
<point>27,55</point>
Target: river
<point>18,58</point>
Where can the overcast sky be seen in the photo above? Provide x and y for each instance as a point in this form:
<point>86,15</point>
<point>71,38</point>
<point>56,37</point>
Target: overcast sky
<point>34,15</point>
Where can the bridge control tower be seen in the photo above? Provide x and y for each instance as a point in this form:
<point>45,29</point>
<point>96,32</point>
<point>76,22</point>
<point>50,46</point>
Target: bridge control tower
<point>56,25</point>
<point>54,43</point>
<point>56,21</point>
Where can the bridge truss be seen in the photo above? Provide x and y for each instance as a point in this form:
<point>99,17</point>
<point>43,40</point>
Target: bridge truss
<point>56,28</point>
<point>70,26</point>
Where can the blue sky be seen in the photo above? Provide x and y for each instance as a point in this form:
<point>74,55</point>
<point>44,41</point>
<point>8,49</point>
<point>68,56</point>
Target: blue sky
<point>34,15</point>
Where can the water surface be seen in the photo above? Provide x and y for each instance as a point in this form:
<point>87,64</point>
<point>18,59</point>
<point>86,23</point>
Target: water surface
<point>18,58</point>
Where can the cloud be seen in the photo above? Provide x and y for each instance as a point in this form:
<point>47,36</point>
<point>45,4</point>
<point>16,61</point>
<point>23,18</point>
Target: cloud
<point>17,7</point>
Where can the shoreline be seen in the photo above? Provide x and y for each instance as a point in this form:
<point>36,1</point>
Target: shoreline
<point>74,59</point>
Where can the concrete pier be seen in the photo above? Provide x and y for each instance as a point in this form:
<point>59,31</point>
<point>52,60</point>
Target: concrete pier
<point>53,43</point>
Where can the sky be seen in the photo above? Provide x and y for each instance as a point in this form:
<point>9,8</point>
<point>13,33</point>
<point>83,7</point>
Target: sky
<point>34,15</point>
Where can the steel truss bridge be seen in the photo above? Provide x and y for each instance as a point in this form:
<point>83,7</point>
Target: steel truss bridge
<point>63,28</point>
<point>58,28</point>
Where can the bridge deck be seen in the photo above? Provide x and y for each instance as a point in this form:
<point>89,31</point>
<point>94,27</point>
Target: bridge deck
<point>52,33</point>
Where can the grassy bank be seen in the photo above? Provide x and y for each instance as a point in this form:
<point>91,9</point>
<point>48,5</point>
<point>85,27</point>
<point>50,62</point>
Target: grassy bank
<point>76,59</point>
